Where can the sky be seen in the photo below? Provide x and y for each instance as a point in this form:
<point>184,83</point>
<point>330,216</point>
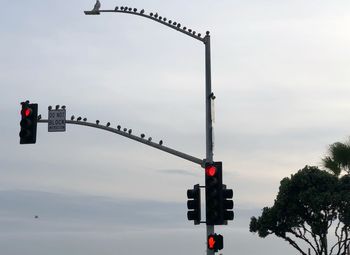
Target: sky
<point>280,74</point>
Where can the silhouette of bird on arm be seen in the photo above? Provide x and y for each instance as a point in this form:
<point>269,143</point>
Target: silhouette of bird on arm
<point>97,6</point>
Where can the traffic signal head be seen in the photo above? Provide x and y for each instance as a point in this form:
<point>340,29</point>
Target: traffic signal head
<point>29,119</point>
<point>215,242</point>
<point>194,204</point>
<point>227,195</point>
<point>213,193</point>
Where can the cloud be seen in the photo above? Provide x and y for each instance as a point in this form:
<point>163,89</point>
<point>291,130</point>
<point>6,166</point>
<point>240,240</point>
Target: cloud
<point>177,172</point>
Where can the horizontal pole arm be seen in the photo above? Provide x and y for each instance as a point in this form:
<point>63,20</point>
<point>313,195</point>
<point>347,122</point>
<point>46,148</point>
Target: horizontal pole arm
<point>136,138</point>
<point>177,27</point>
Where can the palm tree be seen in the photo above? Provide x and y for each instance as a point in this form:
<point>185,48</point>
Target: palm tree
<point>338,159</point>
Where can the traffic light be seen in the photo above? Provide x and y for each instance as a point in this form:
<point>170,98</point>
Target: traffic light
<point>194,204</point>
<point>215,242</point>
<point>213,193</point>
<point>227,195</point>
<point>29,119</point>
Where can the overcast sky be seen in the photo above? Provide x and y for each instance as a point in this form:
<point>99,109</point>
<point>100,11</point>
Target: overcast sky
<point>280,73</point>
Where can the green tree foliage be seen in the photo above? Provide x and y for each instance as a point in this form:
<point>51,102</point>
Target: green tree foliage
<point>307,205</point>
<point>338,159</point>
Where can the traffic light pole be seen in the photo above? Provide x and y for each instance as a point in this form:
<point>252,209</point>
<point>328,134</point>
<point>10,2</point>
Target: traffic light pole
<point>209,96</point>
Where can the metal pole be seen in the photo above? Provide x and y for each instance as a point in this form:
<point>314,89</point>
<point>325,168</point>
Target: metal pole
<point>208,119</point>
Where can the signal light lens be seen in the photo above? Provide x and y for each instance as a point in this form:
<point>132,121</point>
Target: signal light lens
<point>211,242</point>
<point>211,171</point>
<point>26,112</point>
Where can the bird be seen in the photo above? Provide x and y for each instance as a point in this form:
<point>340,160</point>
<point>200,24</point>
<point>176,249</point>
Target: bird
<point>164,19</point>
<point>184,28</point>
<point>63,107</point>
<point>174,23</point>
<point>169,21</point>
<point>79,119</point>
<point>179,25</point>
<point>36,217</point>
<point>130,130</point>
<point>108,124</point>
<point>57,107</point>
<point>130,9</point>
<point>190,30</point>
<point>199,35</point>
<point>142,11</point>
<point>97,6</point>
<point>149,139</point>
<point>39,117</point>
<point>156,15</point>
<point>125,129</point>
<point>142,135</point>
<point>116,8</point>
<point>160,142</point>
<point>85,119</point>
<point>50,108</point>
<point>151,14</point>
<point>118,127</point>
<point>97,122</point>
<point>135,10</point>
<point>72,118</point>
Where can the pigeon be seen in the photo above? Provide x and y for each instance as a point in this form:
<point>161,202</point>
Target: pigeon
<point>85,119</point>
<point>142,135</point>
<point>72,118</point>
<point>108,124</point>
<point>160,142</point>
<point>97,6</point>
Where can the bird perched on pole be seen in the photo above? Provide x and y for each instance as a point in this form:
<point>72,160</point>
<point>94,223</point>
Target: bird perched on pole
<point>97,6</point>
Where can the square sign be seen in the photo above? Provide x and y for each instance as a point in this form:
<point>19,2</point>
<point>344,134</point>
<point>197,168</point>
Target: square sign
<point>57,120</point>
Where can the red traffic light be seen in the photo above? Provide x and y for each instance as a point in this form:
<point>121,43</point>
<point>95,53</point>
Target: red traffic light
<point>26,112</point>
<point>210,171</point>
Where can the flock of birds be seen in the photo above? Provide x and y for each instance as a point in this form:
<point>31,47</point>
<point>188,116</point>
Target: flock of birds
<point>152,15</point>
<point>108,124</point>
<point>129,131</point>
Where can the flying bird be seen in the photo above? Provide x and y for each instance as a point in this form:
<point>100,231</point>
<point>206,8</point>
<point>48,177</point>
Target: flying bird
<point>97,6</point>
